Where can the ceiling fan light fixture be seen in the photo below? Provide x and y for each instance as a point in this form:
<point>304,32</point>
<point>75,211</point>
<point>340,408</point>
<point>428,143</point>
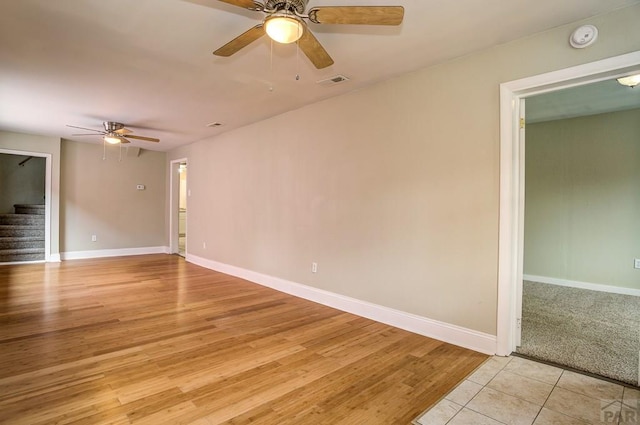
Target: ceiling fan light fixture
<point>111,139</point>
<point>284,28</point>
<point>630,81</point>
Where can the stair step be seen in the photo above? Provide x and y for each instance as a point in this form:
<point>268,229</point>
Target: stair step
<point>24,219</point>
<point>21,242</point>
<point>35,209</point>
<point>21,231</point>
<point>24,254</point>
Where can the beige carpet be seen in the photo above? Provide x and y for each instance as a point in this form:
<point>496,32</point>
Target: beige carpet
<point>596,332</point>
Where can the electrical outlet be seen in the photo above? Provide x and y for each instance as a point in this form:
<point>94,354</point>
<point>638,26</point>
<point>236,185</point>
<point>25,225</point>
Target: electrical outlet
<point>94,238</point>
<point>314,267</point>
<point>636,263</point>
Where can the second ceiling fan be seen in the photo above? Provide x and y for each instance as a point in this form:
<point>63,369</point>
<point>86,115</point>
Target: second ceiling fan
<point>285,23</point>
<point>114,133</point>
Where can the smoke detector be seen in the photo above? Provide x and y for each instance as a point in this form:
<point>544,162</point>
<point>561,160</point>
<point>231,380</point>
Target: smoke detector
<point>583,36</point>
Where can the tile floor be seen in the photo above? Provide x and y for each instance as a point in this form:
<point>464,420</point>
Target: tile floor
<point>513,390</point>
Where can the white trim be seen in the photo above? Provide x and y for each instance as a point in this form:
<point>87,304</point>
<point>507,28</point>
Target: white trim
<point>47,207</point>
<point>583,285</point>
<point>100,253</point>
<point>55,258</point>
<point>174,205</point>
<point>463,337</point>
<point>511,213</point>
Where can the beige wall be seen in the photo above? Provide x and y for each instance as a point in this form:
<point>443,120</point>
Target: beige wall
<point>45,145</point>
<point>183,189</point>
<point>582,199</point>
<point>392,190</point>
<point>99,197</point>
<point>21,184</point>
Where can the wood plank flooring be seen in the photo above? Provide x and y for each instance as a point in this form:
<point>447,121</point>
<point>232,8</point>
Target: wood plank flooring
<point>156,340</point>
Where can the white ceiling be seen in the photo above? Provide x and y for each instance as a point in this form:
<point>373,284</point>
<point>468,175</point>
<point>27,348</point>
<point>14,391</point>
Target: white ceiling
<point>590,99</point>
<point>149,63</point>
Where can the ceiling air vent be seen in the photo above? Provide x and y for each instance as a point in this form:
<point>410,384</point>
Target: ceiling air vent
<point>332,81</point>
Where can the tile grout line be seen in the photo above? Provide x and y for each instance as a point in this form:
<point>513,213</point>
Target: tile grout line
<point>483,387</point>
<point>416,421</point>
<point>501,369</point>
<point>555,385</point>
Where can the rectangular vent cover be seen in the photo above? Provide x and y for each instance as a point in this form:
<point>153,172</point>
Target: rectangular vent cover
<point>331,81</point>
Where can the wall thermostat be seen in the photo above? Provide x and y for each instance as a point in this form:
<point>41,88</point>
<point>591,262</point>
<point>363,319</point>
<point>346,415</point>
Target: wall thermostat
<point>584,36</point>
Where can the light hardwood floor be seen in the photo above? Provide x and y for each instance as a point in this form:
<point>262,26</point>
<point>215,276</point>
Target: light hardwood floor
<point>156,340</point>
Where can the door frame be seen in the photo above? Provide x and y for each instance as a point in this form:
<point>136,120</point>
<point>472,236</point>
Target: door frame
<point>511,234</point>
<point>47,196</point>
<point>174,203</point>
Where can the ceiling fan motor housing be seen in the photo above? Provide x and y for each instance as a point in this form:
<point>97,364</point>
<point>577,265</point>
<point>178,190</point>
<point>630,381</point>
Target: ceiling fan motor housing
<point>288,5</point>
<point>110,126</point>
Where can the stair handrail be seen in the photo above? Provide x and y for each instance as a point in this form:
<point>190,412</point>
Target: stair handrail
<point>24,161</point>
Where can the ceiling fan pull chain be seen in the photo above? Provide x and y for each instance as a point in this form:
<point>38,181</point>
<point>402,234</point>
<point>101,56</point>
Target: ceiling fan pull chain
<point>298,56</point>
<point>120,159</point>
<point>271,67</point>
<point>104,149</point>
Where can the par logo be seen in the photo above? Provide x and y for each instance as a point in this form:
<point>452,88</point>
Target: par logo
<point>614,412</point>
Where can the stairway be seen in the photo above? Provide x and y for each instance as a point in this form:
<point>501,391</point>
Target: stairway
<point>22,234</point>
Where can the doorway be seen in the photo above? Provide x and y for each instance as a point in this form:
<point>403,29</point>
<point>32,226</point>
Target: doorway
<point>581,297</point>
<point>178,208</point>
<point>511,247</point>
<point>25,207</point>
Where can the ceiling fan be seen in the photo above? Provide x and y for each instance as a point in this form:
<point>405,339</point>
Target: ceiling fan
<point>114,133</point>
<point>285,23</point>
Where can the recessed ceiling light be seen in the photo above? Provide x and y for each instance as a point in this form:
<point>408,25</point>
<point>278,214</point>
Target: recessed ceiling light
<point>630,81</point>
<point>214,124</point>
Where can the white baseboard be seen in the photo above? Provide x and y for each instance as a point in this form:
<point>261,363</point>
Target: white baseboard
<point>99,253</point>
<point>54,258</point>
<point>583,285</point>
<point>463,337</point>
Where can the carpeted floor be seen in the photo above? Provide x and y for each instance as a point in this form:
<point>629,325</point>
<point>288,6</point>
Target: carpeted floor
<point>596,332</point>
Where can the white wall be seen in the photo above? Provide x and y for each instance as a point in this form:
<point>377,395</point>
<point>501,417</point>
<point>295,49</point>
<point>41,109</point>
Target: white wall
<point>394,189</point>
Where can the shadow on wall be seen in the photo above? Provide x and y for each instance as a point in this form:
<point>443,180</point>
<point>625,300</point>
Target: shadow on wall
<point>22,181</point>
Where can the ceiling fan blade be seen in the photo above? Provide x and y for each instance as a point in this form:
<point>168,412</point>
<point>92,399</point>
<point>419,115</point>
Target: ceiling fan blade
<point>311,47</point>
<point>85,128</point>
<point>247,4</point>
<point>146,139</point>
<point>123,140</point>
<point>357,15</point>
<point>123,131</point>
<point>241,41</point>
<point>87,134</point>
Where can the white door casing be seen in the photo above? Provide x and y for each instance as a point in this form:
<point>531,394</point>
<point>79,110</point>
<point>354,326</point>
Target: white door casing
<point>511,230</point>
<point>47,200</point>
<point>174,204</point>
